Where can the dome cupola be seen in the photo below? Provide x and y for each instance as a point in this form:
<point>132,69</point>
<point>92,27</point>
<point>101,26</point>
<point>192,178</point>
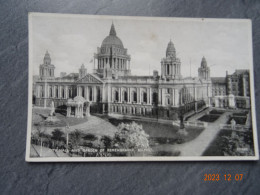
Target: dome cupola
<point>170,51</point>
<point>204,62</point>
<point>112,39</point>
<point>47,58</point>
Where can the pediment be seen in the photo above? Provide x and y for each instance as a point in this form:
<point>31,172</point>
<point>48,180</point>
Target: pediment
<point>89,78</point>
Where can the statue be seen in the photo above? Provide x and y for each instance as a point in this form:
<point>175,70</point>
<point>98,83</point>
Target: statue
<point>51,117</point>
<point>182,131</point>
<point>233,124</point>
<point>52,109</point>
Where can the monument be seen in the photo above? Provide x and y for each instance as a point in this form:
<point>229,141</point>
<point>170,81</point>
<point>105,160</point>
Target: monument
<point>182,131</point>
<point>52,117</point>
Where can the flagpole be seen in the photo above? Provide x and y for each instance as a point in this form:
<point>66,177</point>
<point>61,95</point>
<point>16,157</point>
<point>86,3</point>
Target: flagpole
<point>190,67</point>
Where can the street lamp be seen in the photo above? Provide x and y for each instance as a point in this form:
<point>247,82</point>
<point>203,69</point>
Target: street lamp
<point>67,137</point>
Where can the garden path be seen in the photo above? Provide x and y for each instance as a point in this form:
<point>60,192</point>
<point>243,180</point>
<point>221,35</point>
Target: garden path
<point>197,146</point>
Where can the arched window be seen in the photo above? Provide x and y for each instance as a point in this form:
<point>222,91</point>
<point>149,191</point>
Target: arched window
<point>134,96</point>
<point>50,92</point>
<point>168,101</point>
<point>167,69</point>
<point>41,91</point>
<point>57,92</point>
<point>70,93</point>
<point>116,98</point>
<point>98,94</point>
<point>63,93</point>
<point>144,97</point>
<point>90,93</point>
<point>82,91</point>
<point>125,96</point>
<point>155,98</point>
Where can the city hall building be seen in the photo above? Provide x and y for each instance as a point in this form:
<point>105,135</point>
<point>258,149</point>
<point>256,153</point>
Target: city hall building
<point>111,89</point>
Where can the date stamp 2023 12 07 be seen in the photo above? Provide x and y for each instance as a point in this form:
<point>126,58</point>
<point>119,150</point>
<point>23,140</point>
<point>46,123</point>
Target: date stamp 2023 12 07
<point>223,177</point>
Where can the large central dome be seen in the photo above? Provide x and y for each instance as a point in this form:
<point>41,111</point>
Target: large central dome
<point>112,39</point>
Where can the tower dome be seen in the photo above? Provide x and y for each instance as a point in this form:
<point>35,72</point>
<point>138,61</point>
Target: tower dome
<point>47,58</point>
<point>204,62</point>
<point>112,39</point>
<point>170,51</point>
<point>113,57</point>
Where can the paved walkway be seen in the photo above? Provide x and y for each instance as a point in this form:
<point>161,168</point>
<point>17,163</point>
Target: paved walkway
<point>197,146</point>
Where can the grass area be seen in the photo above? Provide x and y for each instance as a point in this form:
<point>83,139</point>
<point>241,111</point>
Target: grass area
<point>40,115</point>
<point>220,146</point>
<point>160,133</point>
<point>209,118</point>
<point>215,148</point>
<point>91,124</point>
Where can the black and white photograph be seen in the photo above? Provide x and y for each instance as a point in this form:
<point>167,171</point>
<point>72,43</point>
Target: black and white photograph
<point>122,88</point>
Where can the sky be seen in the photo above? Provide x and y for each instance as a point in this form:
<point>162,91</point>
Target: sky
<point>72,40</point>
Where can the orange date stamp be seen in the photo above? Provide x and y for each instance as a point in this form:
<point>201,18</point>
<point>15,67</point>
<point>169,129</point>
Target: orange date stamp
<point>223,177</point>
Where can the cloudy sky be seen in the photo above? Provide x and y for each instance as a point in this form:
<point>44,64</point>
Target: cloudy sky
<point>73,39</point>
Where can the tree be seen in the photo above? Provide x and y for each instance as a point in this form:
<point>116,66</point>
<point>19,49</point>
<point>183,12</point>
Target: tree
<point>58,136</point>
<point>40,134</point>
<point>131,136</point>
<point>75,138</point>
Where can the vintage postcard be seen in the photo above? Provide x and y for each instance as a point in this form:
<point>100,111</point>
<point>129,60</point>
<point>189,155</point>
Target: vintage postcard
<point>113,88</point>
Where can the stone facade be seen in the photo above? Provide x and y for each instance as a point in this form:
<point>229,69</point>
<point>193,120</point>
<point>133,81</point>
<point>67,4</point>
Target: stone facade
<point>219,86</point>
<point>111,89</point>
<point>238,83</point>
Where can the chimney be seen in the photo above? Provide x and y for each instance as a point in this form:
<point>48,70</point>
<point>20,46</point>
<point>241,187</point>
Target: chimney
<point>155,74</point>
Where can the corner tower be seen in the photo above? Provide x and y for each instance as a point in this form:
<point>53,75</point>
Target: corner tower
<point>171,65</point>
<point>46,69</point>
<point>112,56</point>
<point>204,70</point>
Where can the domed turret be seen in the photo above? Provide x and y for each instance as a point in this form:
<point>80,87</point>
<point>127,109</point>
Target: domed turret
<point>204,62</point>
<point>46,70</point>
<point>171,65</point>
<point>170,51</point>
<point>204,70</point>
<point>47,58</point>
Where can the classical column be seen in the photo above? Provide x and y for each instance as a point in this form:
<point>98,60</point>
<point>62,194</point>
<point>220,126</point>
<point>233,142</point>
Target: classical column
<point>163,96</point>
<point>195,93</point>
<point>103,94</point>
<point>129,95</point>
<point>59,92</point>
<point>176,99</point>
<point>93,93</point>
<point>148,95</point>
<point>139,95</point>
<point>45,94</point>
<point>151,96</point>
<point>109,92</point>
<point>160,96</point>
